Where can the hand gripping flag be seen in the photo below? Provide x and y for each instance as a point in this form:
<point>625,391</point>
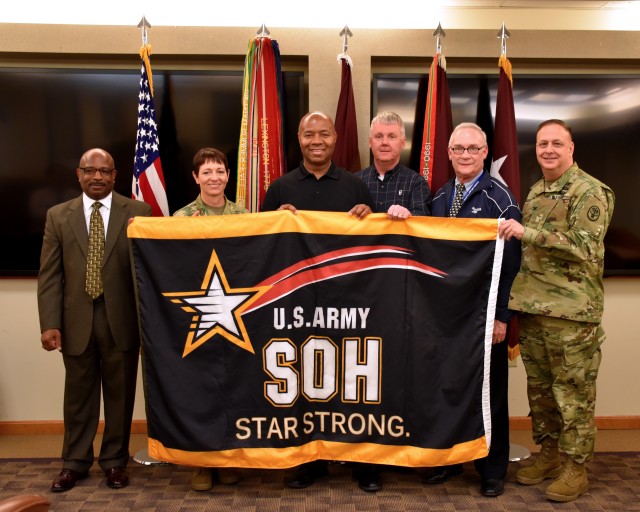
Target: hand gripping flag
<point>438,125</point>
<point>261,148</point>
<point>346,153</point>
<point>505,165</point>
<point>148,180</point>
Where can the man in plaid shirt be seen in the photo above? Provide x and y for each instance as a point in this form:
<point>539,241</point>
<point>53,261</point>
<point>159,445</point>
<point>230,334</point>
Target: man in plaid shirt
<point>398,191</point>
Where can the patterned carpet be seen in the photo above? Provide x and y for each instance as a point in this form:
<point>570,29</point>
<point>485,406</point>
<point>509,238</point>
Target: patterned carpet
<point>614,480</point>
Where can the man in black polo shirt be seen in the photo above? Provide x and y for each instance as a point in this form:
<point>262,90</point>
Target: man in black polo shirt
<point>396,190</point>
<point>318,184</point>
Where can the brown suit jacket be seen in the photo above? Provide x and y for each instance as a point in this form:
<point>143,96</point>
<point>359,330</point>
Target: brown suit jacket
<point>63,302</point>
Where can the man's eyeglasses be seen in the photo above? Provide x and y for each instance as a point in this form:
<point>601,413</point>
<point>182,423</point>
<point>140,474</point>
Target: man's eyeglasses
<point>91,171</point>
<point>472,150</point>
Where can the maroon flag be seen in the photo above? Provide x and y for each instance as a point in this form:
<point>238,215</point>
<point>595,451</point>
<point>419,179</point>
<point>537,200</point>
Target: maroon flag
<point>505,164</point>
<point>148,180</point>
<point>438,125</point>
<point>346,153</point>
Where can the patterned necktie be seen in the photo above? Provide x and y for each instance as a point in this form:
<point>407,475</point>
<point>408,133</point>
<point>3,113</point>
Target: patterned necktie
<point>458,198</point>
<point>95,253</point>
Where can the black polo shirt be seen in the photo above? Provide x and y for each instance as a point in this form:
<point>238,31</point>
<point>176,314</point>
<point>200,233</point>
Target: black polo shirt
<point>336,191</point>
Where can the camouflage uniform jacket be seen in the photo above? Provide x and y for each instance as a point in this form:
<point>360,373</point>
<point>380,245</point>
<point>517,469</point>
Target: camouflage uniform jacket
<point>562,248</point>
<point>199,208</point>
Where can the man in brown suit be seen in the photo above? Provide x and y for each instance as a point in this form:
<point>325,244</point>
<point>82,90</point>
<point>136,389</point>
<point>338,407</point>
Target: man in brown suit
<point>98,337</point>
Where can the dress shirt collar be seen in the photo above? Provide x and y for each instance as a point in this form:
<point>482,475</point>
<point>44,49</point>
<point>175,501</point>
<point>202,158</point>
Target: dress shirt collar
<point>387,175</point>
<point>87,202</point>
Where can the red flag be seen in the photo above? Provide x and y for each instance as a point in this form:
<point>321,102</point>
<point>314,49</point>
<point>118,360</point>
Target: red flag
<point>148,180</point>
<point>438,125</point>
<point>505,165</point>
<point>346,153</point>
<point>261,153</point>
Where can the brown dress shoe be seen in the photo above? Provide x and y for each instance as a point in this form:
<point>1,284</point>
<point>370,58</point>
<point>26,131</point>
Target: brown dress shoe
<point>117,477</point>
<point>67,479</point>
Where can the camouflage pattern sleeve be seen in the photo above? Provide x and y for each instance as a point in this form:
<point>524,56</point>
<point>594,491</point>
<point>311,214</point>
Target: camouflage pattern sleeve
<point>579,236</point>
<point>188,211</point>
<point>562,248</point>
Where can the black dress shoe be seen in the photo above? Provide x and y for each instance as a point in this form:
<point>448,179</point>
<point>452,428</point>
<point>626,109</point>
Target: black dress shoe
<point>307,474</point>
<point>441,474</point>
<point>369,479</point>
<point>67,479</point>
<point>492,487</point>
<point>117,477</point>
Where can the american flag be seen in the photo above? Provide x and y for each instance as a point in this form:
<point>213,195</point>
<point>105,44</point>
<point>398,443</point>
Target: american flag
<point>148,179</point>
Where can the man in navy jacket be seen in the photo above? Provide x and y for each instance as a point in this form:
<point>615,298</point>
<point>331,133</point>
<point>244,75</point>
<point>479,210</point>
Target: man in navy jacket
<point>479,195</point>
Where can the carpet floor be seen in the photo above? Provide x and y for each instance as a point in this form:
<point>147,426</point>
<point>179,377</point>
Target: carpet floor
<point>614,485</point>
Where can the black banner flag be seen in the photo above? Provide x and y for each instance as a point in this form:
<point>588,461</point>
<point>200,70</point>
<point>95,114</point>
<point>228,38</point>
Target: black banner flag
<point>274,339</point>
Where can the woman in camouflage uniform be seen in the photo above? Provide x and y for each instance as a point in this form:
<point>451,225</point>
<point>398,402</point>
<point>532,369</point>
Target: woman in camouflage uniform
<point>211,172</point>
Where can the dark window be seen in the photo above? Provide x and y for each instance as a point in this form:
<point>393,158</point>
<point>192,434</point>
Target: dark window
<point>604,114</point>
<point>49,117</point>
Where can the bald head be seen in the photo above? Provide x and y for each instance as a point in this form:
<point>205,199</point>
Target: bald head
<point>313,116</point>
<point>88,155</point>
<point>96,173</point>
<point>317,137</point>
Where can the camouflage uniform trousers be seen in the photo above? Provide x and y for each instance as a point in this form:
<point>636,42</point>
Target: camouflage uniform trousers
<point>561,358</point>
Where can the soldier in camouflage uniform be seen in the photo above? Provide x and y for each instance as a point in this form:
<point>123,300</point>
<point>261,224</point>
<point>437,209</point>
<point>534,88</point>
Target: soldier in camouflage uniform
<point>560,295</point>
<point>211,172</point>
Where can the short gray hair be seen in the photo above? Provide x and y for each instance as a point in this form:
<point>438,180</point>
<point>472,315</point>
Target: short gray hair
<point>472,126</point>
<point>388,118</point>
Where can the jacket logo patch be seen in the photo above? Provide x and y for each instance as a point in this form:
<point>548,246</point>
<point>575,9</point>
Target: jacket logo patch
<point>593,213</point>
<point>475,210</point>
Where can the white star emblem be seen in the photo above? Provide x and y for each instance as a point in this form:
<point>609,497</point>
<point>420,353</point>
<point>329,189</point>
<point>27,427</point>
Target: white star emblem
<point>495,169</point>
<point>217,309</point>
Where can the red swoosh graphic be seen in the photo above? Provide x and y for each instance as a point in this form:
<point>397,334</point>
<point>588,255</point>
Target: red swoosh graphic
<point>290,284</point>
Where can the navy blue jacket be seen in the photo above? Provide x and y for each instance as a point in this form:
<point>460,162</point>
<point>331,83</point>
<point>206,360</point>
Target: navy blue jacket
<point>489,199</point>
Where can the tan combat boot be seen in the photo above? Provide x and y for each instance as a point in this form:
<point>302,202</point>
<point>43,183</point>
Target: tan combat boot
<point>201,479</point>
<point>570,484</point>
<point>228,476</point>
<point>547,465</point>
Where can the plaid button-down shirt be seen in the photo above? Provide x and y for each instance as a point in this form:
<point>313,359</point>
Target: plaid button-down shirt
<point>400,185</point>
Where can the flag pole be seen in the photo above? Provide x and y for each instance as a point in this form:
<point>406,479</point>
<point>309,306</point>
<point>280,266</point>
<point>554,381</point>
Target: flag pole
<point>144,25</point>
<point>516,452</point>
<point>142,456</point>
<point>439,33</point>
<point>346,34</point>
<point>263,31</point>
<point>504,34</point>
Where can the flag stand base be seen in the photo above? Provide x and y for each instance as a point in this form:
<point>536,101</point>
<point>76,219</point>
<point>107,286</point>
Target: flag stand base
<point>143,457</point>
<point>518,452</point>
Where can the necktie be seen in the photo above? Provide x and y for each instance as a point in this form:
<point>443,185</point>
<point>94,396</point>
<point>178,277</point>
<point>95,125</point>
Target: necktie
<point>95,253</point>
<point>458,198</point>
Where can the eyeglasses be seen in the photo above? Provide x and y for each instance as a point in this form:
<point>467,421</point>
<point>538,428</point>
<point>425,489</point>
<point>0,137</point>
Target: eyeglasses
<point>472,150</point>
<point>91,171</point>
